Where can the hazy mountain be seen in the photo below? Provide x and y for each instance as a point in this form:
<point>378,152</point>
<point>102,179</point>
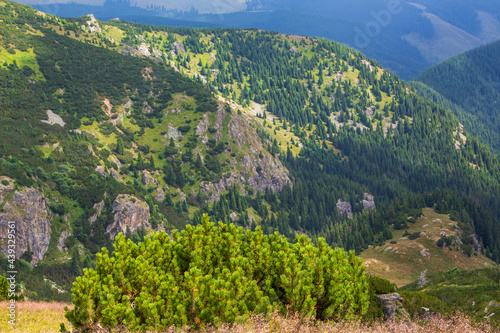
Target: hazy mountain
<point>406,37</point>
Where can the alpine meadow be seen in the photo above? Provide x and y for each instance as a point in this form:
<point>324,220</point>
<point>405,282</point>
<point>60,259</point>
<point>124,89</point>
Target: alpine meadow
<point>173,179</point>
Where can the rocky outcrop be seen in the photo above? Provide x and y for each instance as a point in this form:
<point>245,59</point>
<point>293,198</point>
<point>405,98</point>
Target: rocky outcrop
<point>220,116</point>
<point>182,195</point>
<point>478,247</point>
<point>160,194</point>
<point>257,168</point>
<point>173,133</point>
<point>98,207</point>
<point>345,208</point>
<point>129,212</point>
<point>92,24</point>
<point>146,108</point>
<point>61,244</point>
<point>54,119</point>
<point>148,179</point>
<point>27,208</point>
<point>392,305</point>
<point>368,202</point>
<point>112,172</point>
<point>202,126</point>
<point>144,49</point>
<point>178,47</point>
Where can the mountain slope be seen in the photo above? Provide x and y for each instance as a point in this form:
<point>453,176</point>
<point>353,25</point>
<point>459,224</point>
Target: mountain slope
<point>298,135</point>
<point>471,81</point>
<point>432,243</point>
<point>95,143</point>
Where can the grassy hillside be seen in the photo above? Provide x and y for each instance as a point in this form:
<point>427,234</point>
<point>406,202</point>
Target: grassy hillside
<point>403,259</point>
<point>471,81</point>
<point>476,292</point>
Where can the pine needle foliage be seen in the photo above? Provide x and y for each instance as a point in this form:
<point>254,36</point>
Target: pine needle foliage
<point>212,274</point>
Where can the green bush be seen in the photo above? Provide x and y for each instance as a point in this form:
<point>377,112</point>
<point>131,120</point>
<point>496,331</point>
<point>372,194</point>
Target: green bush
<point>377,286</point>
<point>414,235</point>
<point>210,274</point>
<point>415,301</point>
<point>4,288</point>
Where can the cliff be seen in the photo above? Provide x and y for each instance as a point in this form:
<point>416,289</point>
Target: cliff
<point>27,207</point>
<point>129,212</point>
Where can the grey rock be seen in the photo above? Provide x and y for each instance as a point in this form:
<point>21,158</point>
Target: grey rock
<point>392,304</point>
<point>234,217</point>
<point>182,196</point>
<point>160,194</point>
<point>202,126</point>
<point>272,174</point>
<point>115,174</point>
<point>27,208</point>
<point>425,253</point>
<point>173,133</point>
<point>368,202</point>
<point>100,170</point>
<point>129,212</point>
<point>220,116</point>
<point>98,207</point>
<point>61,245</point>
<point>54,119</point>
<point>148,179</point>
<point>345,208</point>
<point>146,108</point>
<point>144,49</point>
<point>178,47</point>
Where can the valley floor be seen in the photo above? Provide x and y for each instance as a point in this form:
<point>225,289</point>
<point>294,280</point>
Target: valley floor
<point>46,317</point>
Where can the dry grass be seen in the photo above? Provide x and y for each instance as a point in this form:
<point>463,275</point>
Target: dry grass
<point>458,324</point>
<point>46,317</point>
<point>294,324</point>
<point>34,317</point>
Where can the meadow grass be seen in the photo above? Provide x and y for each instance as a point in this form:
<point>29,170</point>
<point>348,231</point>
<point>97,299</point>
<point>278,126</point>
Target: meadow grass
<point>43,317</point>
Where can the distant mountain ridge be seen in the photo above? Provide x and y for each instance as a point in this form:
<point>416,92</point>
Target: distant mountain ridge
<point>408,40</point>
<point>472,82</point>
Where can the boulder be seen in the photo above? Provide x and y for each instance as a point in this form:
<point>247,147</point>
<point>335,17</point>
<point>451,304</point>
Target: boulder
<point>392,305</point>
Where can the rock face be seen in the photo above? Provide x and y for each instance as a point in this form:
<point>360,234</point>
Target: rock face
<point>129,212</point>
<point>345,208</point>
<point>368,202</point>
<point>178,47</point>
<point>160,194</point>
<point>257,168</point>
<point>28,209</point>
<point>392,304</point>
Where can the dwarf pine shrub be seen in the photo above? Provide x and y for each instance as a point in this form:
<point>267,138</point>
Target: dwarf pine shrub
<point>212,274</point>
